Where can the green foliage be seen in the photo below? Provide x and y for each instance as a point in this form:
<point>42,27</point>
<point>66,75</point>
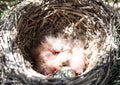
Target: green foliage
<point>5,5</point>
<point>118,0</point>
<point>112,1</point>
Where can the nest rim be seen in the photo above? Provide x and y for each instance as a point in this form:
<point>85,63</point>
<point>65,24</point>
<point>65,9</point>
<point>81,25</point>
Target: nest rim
<point>86,74</point>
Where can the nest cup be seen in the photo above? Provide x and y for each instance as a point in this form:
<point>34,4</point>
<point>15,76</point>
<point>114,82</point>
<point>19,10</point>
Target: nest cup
<point>92,20</point>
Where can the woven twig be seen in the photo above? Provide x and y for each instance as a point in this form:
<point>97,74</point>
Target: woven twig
<point>30,21</point>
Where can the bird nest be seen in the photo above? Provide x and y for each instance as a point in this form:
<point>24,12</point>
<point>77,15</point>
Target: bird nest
<point>91,21</point>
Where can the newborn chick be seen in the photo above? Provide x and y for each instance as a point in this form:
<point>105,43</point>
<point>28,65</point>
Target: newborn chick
<point>78,61</point>
<point>57,52</point>
<point>52,54</point>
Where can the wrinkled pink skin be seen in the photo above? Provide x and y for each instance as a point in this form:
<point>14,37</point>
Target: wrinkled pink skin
<point>70,54</point>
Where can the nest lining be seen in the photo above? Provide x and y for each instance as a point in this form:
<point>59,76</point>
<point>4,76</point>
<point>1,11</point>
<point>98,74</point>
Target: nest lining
<point>87,19</point>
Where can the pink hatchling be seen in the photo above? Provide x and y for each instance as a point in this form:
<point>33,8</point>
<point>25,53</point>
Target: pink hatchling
<point>55,53</point>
